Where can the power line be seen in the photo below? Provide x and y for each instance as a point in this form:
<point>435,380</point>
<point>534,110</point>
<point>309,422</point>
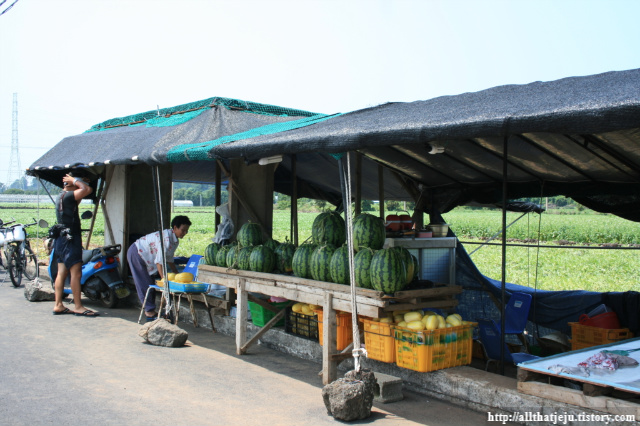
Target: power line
<point>9,7</point>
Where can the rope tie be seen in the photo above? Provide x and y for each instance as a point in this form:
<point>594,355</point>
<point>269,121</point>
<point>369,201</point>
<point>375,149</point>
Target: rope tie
<point>357,350</point>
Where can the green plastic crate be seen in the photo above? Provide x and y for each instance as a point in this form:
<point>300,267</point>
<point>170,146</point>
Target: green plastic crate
<point>260,316</point>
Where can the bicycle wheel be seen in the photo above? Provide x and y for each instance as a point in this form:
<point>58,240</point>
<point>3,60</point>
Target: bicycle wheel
<point>30,263</point>
<point>15,266</point>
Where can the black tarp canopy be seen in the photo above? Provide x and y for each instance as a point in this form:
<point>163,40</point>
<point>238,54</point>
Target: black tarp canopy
<point>148,137</point>
<point>578,137</point>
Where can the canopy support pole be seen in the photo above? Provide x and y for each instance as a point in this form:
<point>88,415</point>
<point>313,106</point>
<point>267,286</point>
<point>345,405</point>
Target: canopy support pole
<point>93,218</point>
<point>218,196</point>
<point>381,190</point>
<point>294,200</point>
<point>358,201</point>
<point>505,197</point>
<point>158,197</point>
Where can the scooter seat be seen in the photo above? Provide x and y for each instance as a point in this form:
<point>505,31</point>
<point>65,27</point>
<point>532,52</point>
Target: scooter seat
<point>91,255</point>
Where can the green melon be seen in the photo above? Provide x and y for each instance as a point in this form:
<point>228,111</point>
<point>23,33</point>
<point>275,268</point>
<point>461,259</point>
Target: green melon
<point>272,244</point>
<point>387,271</point>
<point>320,262</point>
<point>301,262</point>
<point>328,228</point>
<point>250,235</point>
<point>362,266</point>
<point>284,257</point>
<point>232,255</point>
<point>210,254</point>
<point>262,259</point>
<point>339,266</point>
<point>221,256</point>
<point>243,258</point>
<point>368,231</point>
<point>407,259</point>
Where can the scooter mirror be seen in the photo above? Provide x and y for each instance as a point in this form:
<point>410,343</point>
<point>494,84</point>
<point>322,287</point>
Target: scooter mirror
<point>43,223</point>
<point>1,222</point>
<point>87,214</point>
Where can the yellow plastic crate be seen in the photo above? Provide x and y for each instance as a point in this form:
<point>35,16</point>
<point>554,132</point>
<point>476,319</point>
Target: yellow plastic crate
<point>378,340</point>
<point>344,332</point>
<point>431,350</point>
<point>585,336</point>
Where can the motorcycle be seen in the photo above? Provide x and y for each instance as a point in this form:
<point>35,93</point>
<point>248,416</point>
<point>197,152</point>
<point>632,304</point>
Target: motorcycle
<point>100,278</point>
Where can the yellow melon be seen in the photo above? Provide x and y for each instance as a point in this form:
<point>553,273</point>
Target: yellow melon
<point>415,325</point>
<point>432,322</point>
<point>171,276</point>
<point>413,316</point>
<point>183,277</point>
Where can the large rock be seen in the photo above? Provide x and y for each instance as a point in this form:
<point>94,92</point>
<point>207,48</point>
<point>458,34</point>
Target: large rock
<point>35,291</point>
<point>162,333</point>
<point>351,397</point>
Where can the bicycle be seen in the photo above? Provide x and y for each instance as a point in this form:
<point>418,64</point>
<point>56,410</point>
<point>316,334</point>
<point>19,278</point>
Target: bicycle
<point>17,250</point>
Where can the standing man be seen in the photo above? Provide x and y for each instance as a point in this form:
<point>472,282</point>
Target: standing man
<point>68,245</point>
<point>145,260</point>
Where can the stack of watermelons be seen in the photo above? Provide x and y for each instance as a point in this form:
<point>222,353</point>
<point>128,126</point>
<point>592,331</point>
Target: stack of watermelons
<point>327,258</point>
<point>251,252</point>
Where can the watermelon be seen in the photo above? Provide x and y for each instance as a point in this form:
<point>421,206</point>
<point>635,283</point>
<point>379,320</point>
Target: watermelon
<point>328,228</point>
<point>210,253</point>
<point>272,244</point>
<point>320,262</point>
<point>387,271</point>
<point>362,266</point>
<point>416,269</point>
<point>250,235</point>
<point>301,262</point>
<point>339,266</point>
<point>407,259</point>
<point>262,259</point>
<point>221,256</point>
<point>368,231</point>
<point>284,257</point>
<point>243,258</point>
<point>232,255</point>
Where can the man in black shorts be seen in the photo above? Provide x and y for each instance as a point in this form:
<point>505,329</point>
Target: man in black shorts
<point>68,246</point>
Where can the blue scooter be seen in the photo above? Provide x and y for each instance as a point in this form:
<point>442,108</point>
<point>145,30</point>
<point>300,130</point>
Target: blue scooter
<point>100,279</point>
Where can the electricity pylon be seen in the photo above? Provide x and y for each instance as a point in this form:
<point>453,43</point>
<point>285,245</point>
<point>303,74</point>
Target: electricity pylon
<point>15,170</point>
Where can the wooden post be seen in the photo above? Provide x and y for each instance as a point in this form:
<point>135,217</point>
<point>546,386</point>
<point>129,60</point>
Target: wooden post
<point>95,212</point>
<point>241,316</point>
<point>218,195</point>
<point>381,190</point>
<point>358,201</point>
<point>294,201</point>
<point>329,324</point>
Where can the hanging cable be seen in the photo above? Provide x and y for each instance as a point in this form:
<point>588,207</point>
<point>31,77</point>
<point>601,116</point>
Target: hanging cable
<point>357,350</point>
<point>165,289</point>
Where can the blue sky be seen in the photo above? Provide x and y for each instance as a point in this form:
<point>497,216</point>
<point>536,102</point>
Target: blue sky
<point>75,63</point>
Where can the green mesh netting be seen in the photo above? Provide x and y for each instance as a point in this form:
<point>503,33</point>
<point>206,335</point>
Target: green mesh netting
<point>188,111</point>
<point>199,151</point>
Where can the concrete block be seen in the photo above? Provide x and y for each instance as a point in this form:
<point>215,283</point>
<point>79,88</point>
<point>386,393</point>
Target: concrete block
<point>389,388</point>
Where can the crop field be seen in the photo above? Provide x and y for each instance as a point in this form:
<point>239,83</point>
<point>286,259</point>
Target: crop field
<point>613,268</point>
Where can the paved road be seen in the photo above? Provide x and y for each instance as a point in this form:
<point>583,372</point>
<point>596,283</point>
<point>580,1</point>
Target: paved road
<point>68,370</point>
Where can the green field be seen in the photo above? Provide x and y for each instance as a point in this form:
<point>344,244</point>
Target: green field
<point>545,268</point>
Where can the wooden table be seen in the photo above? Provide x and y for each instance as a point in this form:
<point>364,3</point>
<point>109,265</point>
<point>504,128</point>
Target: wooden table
<point>330,296</point>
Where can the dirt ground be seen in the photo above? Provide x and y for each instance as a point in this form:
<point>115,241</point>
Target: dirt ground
<point>73,370</point>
